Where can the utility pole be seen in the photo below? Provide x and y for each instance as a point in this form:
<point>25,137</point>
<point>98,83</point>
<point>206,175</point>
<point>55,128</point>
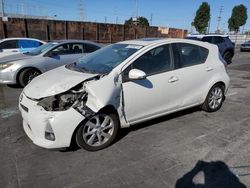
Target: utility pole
<point>209,23</point>
<point>219,18</point>
<point>151,19</point>
<point>136,4</point>
<point>2,8</point>
<point>81,11</point>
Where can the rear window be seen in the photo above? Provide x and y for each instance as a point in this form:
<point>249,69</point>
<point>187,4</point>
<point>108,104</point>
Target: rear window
<point>189,54</point>
<point>207,39</point>
<point>218,40</point>
<point>28,44</point>
<point>88,48</point>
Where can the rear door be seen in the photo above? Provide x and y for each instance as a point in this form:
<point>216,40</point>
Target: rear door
<point>63,54</point>
<point>192,72</point>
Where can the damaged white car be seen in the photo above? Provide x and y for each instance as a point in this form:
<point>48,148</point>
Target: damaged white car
<point>118,86</point>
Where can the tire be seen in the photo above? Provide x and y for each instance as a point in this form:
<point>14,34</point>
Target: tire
<point>93,136</point>
<point>228,56</point>
<point>27,75</point>
<point>214,99</point>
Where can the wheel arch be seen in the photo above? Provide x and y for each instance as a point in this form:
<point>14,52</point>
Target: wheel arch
<point>211,85</point>
<point>107,108</point>
<point>229,50</point>
<point>22,69</point>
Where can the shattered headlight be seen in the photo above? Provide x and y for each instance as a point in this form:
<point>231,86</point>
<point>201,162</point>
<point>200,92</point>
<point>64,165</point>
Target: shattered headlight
<point>63,101</point>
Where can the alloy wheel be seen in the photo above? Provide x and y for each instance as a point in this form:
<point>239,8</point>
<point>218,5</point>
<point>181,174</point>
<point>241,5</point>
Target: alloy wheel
<point>98,130</point>
<point>215,98</point>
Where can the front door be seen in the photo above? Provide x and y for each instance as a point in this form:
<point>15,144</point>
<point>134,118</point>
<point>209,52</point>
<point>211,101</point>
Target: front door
<point>150,96</point>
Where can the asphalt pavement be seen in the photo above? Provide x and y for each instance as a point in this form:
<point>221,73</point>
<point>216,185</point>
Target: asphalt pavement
<point>184,147</point>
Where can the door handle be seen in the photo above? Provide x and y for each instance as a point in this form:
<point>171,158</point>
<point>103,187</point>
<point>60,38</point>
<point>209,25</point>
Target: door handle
<point>209,69</point>
<point>173,79</point>
<point>14,51</point>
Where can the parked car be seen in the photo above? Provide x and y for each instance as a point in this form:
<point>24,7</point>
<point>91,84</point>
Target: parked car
<point>22,68</point>
<point>245,46</point>
<point>11,46</point>
<point>225,45</point>
<point>120,85</point>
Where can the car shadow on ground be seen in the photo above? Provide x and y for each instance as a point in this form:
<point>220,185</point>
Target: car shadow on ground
<point>215,174</point>
<point>17,86</point>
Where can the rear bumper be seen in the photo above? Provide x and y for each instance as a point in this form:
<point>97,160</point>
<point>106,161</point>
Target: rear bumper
<point>245,48</point>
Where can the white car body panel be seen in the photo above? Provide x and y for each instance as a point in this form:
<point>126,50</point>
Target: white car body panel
<point>135,101</point>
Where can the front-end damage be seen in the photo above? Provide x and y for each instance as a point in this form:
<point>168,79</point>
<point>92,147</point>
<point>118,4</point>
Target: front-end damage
<point>88,98</point>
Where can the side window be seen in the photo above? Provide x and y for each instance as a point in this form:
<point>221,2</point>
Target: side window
<point>189,54</point>
<point>218,40</point>
<point>77,48</point>
<point>88,48</point>
<point>28,44</point>
<point>63,49</point>
<point>207,39</point>
<point>10,44</point>
<point>152,62</point>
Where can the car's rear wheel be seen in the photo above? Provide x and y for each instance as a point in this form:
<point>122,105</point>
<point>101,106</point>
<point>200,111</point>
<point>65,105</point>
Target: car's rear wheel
<point>214,99</point>
<point>27,75</point>
<point>228,56</point>
<point>98,132</point>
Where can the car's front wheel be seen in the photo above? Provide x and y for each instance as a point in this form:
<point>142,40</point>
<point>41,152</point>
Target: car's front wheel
<point>214,99</point>
<point>98,132</point>
<point>27,75</point>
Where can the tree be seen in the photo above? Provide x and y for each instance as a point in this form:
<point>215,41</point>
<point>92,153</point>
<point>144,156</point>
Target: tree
<point>238,18</point>
<point>141,21</point>
<point>202,18</point>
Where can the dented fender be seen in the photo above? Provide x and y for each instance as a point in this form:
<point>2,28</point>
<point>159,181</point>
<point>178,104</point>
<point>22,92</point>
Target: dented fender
<point>106,92</point>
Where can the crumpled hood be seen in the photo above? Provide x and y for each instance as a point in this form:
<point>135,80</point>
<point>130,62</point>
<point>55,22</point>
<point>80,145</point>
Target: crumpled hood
<point>55,82</point>
<point>15,57</point>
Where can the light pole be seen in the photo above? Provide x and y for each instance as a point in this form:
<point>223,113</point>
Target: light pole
<point>2,8</point>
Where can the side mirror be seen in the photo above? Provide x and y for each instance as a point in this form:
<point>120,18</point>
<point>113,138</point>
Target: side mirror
<point>136,74</point>
<point>1,50</point>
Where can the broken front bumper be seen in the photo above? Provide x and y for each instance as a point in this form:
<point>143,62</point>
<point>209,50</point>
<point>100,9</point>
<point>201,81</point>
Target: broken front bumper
<point>36,120</point>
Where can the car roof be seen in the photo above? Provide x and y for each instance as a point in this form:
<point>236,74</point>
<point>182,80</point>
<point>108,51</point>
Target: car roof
<point>207,35</point>
<point>74,40</point>
<point>20,38</point>
<point>155,41</point>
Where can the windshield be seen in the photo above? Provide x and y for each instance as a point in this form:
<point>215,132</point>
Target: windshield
<point>42,48</point>
<point>104,60</point>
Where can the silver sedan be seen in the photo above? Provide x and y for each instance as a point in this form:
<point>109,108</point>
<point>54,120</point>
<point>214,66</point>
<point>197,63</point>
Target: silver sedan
<point>22,68</point>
